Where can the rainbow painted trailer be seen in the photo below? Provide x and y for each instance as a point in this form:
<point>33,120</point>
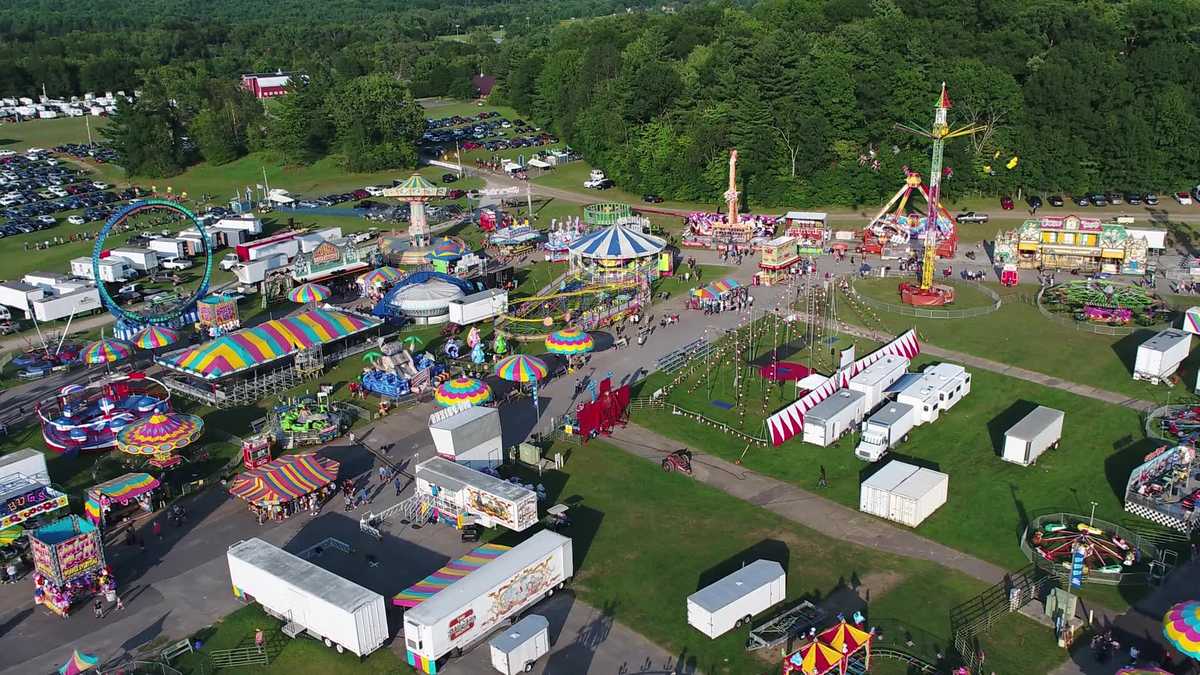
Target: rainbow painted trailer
<point>308,598</point>
<point>465,494</point>
<point>467,610</point>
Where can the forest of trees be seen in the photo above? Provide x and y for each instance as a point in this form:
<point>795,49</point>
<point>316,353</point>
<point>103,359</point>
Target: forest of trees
<point>1087,95</point>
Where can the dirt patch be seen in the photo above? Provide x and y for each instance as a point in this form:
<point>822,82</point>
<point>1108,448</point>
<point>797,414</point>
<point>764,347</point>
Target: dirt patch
<point>877,584</point>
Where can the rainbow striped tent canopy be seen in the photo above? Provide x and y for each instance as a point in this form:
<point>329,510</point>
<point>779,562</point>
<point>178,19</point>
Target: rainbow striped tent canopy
<point>121,489</point>
<point>285,478</point>
<point>452,572</point>
<point>717,288</point>
<point>266,342</point>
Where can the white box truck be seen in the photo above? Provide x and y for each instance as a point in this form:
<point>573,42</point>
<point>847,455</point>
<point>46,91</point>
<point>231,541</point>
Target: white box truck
<point>309,598</point>
<point>470,608</point>
<point>877,377</point>
<point>734,600</point>
<point>1036,433</point>
<point>829,419</point>
<point>1159,357</point>
<point>255,271</point>
<point>468,434</point>
<point>884,430</point>
<point>479,306</point>
<point>515,650</point>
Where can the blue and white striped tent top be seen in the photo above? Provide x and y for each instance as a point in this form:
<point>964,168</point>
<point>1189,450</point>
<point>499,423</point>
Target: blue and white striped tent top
<point>616,242</point>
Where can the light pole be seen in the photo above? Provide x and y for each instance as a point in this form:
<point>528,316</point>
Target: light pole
<point>1092,518</point>
<point>455,30</point>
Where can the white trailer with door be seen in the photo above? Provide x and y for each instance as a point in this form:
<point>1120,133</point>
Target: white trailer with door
<point>24,463</point>
<point>1159,357</point>
<point>733,601</point>
<point>515,650</point>
<point>308,598</point>
<point>1036,433</point>
<point>904,493</point>
<point>470,608</point>
<point>479,306</point>
<point>468,434</point>
<point>877,377</point>
<point>884,430</point>
<point>825,422</point>
<point>933,391</point>
<point>460,490</point>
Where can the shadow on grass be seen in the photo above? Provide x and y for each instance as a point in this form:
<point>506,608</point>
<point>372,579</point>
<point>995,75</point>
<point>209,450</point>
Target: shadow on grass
<point>998,425</point>
<point>1127,454</point>
<point>1126,348</point>
<point>767,549</point>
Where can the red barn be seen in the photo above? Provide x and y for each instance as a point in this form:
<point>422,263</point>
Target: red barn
<point>266,85</point>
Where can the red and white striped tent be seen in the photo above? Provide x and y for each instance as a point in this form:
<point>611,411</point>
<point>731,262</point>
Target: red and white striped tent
<point>789,422</point>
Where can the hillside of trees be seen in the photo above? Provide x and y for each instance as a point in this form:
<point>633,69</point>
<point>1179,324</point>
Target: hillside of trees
<point>1071,96</point>
<point>1086,95</point>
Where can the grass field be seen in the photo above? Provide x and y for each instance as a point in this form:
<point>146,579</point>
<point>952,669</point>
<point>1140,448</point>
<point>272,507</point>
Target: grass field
<point>49,133</point>
<point>1019,335</point>
<point>990,500</point>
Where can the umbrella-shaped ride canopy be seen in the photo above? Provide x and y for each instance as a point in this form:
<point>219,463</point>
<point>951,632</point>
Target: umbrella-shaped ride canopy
<point>521,368</point>
<point>462,390</point>
<point>569,341</point>
<point>306,293</point>
<point>446,249</point>
<point>78,663</point>
<point>380,276</point>
<point>160,433</point>
<point>106,350</point>
<point>1181,626</point>
<point>154,337</point>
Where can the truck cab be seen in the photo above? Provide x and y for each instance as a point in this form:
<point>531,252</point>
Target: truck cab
<point>873,445</point>
<point>595,179</point>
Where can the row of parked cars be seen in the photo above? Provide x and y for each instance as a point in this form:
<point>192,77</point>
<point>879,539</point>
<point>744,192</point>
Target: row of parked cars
<point>100,154</point>
<point>458,120</point>
<point>1102,199</point>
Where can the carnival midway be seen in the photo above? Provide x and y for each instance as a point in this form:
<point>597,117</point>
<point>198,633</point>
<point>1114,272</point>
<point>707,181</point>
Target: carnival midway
<point>364,441</point>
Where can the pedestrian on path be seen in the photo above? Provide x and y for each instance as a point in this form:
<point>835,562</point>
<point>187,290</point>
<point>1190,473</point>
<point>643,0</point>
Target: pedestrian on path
<point>98,609</point>
<point>399,487</point>
<point>120,605</point>
<point>157,529</point>
<point>823,480</point>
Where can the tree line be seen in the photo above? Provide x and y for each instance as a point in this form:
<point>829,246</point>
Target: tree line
<point>1069,96</point>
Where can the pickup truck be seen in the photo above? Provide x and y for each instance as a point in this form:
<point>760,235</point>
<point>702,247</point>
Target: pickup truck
<point>177,264</point>
<point>228,262</point>
<point>971,217</point>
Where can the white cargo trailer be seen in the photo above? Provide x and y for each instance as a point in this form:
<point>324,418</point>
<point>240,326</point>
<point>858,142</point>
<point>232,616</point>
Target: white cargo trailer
<point>479,306</point>
<point>458,490</point>
<point>140,259</point>
<point>308,598</point>
<point>1036,433</point>
<point>834,416</point>
<point>1159,357</point>
<point>469,435</point>
<point>25,463</point>
<point>515,650</point>
<point>877,377</point>
<point>736,599</point>
<point>168,247</point>
<point>884,430</point>
<point>255,271</point>
<point>471,607</point>
<point>904,493</point>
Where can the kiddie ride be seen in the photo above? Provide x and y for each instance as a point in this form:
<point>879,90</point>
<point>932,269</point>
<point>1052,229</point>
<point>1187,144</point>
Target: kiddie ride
<point>89,417</point>
<point>394,372</point>
<point>308,421</point>
<point>1106,555</point>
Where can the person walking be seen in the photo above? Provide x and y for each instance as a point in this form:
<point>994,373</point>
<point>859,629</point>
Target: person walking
<point>98,609</point>
<point>120,604</point>
<point>157,529</point>
<point>259,639</point>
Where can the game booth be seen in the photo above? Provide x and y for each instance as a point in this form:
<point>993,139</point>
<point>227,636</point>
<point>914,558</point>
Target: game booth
<point>120,499</point>
<point>217,315</point>
<point>516,239</point>
<point>779,256</point>
<point>841,648</point>
<point>607,409</point>
<point>616,253</point>
<point>721,289</point>
<point>1165,488</point>
<point>810,229</point>
<point>274,489</point>
<point>68,564</point>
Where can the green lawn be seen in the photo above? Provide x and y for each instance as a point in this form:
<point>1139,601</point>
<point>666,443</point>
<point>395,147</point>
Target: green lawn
<point>49,133</point>
<point>966,294</point>
<point>990,500</point>
<point>644,540</point>
<point>571,177</point>
<point>1019,335</point>
<point>533,278</point>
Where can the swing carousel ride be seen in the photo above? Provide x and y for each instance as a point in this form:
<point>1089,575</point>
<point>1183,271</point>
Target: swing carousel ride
<point>937,227</point>
<point>1107,556</point>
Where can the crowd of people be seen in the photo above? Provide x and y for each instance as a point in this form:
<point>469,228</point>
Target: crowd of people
<point>311,502</point>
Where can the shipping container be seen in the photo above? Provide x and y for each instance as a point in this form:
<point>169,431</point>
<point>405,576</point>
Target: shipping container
<point>1037,432</point>
<point>903,493</point>
<point>734,600</point>
<point>469,435</point>
<point>308,598</point>
<point>479,306</point>
<point>470,608</point>
<point>877,377</point>
<point>462,491</point>
<point>515,649</point>
<point>1159,357</point>
<point>884,430</point>
<point>829,419</point>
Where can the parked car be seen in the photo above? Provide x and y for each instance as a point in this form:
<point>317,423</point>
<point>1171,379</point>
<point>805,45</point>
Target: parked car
<point>177,264</point>
<point>1034,201</point>
<point>456,194</point>
<point>1133,199</point>
<point>1081,200</point>
<point>1150,199</point>
<point>1098,199</point>
<point>448,178</point>
<point>652,199</point>
<point>1055,200</point>
<point>1183,198</point>
<point>971,217</point>
<point>1006,203</point>
<point>76,220</point>
<point>1114,198</point>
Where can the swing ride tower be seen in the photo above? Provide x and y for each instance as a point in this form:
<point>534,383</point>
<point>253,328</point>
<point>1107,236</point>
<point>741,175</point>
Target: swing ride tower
<point>927,294</point>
